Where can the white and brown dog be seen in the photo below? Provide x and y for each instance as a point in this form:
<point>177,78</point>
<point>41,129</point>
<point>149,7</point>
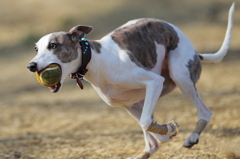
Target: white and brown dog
<point>132,67</point>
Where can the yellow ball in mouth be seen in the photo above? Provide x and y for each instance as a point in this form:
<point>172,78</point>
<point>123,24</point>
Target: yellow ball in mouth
<point>49,76</point>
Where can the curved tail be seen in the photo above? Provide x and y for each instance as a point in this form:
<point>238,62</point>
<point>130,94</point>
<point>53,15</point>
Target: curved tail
<point>218,56</point>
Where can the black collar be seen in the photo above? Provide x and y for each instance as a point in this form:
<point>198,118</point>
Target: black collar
<point>86,57</point>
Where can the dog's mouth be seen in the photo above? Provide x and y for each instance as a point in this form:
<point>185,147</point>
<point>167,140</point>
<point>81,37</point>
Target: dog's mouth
<point>50,77</point>
<point>55,88</point>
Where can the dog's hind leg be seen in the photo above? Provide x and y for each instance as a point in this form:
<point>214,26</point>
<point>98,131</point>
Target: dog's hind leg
<point>185,73</point>
<point>152,140</point>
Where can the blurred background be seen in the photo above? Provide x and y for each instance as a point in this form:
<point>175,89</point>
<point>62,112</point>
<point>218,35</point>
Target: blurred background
<point>77,124</point>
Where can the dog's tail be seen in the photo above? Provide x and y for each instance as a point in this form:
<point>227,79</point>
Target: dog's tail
<point>218,56</point>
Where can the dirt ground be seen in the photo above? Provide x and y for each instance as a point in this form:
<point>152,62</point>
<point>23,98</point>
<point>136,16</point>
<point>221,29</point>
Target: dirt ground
<point>77,124</point>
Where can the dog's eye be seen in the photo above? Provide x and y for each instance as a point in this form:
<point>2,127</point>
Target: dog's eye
<point>52,46</point>
<point>36,48</point>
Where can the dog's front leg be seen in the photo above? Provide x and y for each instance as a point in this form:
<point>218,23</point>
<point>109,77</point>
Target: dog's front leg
<point>153,91</point>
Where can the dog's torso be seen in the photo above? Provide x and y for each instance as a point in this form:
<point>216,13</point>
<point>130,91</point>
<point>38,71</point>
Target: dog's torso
<point>130,54</point>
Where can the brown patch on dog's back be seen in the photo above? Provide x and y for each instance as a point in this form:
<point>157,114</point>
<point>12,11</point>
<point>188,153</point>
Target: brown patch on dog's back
<point>66,50</point>
<point>95,45</point>
<point>138,40</point>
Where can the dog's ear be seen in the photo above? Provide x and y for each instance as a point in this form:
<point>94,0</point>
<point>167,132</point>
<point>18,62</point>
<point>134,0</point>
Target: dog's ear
<point>78,32</point>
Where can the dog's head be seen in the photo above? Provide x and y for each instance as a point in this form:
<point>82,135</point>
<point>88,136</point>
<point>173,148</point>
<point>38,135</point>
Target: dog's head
<point>60,48</point>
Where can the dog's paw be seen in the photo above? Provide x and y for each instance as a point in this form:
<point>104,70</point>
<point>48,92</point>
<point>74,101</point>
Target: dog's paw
<point>191,140</point>
<point>173,128</point>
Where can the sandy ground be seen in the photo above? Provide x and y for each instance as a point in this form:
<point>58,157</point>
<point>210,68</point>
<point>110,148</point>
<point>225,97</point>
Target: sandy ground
<point>76,124</point>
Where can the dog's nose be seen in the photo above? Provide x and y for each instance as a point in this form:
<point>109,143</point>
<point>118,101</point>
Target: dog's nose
<point>32,66</point>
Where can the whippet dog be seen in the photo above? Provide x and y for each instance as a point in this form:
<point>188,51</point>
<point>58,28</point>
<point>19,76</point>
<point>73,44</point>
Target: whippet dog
<point>132,67</point>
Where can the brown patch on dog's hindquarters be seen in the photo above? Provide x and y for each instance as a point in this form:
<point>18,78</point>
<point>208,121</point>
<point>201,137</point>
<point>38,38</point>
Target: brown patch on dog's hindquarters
<point>195,68</point>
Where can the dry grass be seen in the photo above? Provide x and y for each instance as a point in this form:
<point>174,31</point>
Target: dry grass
<point>76,124</point>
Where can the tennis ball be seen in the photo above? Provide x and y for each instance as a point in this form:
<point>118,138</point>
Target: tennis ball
<point>49,76</point>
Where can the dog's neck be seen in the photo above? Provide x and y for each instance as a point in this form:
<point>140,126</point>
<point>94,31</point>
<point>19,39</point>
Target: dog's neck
<point>89,63</point>
<point>93,68</point>
<point>85,57</point>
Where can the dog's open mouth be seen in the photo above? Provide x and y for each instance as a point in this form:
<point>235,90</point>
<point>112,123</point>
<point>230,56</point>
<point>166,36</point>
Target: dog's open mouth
<point>55,88</point>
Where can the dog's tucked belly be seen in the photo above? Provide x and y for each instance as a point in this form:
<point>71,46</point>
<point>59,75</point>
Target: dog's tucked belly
<point>122,97</point>
<point>118,97</point>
